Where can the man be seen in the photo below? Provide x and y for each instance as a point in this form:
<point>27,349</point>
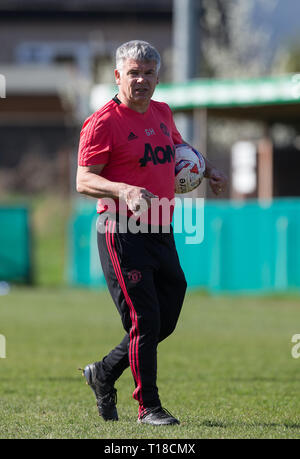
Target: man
<point>117,165</point>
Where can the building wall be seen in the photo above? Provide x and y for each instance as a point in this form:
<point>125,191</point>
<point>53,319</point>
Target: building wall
<point>99,27</point>
<point>84,34</point>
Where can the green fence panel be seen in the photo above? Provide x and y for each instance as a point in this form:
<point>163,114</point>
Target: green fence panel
<point>15,245</point>
<point>83,265</point>
<point>246,247</point>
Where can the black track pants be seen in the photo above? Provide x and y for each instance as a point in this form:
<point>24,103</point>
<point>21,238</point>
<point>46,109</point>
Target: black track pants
<point>147,284</point>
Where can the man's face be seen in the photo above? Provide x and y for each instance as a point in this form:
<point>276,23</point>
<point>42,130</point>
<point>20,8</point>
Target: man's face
<point>137,81</point>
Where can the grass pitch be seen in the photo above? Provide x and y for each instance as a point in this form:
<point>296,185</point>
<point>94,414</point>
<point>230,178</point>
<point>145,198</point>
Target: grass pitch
<point>226,372</point>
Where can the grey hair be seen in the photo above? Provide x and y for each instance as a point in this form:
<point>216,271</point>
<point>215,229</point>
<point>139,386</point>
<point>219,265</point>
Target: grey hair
<point>137,50</point>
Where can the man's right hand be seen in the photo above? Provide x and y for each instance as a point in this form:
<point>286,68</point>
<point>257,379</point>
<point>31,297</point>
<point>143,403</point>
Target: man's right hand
<point>137,199</point>
<point>91,183</point>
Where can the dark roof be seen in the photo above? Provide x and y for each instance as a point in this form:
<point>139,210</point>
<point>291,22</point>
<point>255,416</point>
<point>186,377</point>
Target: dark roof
<point>85,10</point>
<point>86,5</point>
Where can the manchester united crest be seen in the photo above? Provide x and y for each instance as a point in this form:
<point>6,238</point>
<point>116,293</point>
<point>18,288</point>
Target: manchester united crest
<point>134,276</point>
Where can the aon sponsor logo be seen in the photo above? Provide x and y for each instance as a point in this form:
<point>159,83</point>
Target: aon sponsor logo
<point>159,155</point>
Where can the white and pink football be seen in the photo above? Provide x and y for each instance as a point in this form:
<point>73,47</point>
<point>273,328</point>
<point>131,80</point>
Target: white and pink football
<point>189,168</point>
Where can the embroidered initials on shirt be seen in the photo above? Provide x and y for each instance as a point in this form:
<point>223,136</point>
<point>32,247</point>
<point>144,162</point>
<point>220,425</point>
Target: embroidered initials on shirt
<point>150,131</point>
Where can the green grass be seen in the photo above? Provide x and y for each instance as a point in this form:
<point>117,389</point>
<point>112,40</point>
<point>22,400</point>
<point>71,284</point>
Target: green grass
<point>227,371</point>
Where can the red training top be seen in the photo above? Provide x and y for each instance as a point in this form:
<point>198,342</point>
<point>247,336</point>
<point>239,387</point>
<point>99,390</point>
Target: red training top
<point>136,148</point>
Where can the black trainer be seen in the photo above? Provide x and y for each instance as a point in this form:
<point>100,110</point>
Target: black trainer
<point>157,416</point>
<point>106,394</point>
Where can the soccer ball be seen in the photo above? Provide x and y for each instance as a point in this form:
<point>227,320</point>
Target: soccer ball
<point>189,168</point>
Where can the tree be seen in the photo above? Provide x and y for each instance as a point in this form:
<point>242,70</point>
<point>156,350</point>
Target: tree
<point>231,46</point>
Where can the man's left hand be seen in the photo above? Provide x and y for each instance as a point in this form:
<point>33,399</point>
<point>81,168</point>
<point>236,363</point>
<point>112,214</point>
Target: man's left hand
<point>217,181</point>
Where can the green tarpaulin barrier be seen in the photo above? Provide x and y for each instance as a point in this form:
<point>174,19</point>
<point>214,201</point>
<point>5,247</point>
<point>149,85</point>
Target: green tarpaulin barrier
<point>245,248</point>
<point>15,245</point>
